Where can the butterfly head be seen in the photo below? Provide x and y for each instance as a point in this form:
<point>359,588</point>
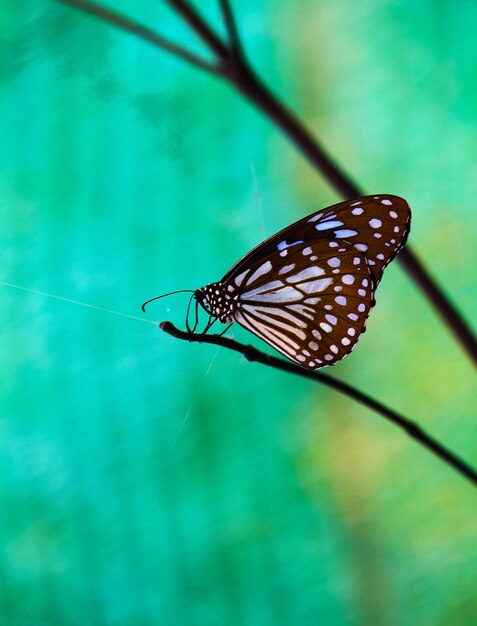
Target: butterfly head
<point>217,302</point>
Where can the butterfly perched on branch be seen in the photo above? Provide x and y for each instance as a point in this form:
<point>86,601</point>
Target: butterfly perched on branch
<point>308,290</point>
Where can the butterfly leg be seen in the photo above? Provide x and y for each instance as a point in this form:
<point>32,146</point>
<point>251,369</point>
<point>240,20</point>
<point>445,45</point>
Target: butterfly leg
<point>196,316</point>
<point>209,325</point>
<point>226,329</point>
<point>187,316</point>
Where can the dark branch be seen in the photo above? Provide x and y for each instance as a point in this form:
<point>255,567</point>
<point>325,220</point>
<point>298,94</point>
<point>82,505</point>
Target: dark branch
<point>448,312</point>
<point>412,429</point>
<point>130,26</point>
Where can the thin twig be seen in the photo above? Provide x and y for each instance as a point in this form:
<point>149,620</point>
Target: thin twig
<point>232,30</point>
<point>412,429</point>
<point>201,28</point>
<point>125,23</point>
<point>240,74</point>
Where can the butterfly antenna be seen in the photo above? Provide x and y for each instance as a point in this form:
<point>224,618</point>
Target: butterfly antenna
<point>171,293</point>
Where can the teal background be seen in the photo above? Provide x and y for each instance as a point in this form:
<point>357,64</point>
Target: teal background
<point>147,481</point>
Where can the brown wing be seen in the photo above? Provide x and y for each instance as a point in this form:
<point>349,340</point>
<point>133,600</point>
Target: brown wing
<point>376,226</point>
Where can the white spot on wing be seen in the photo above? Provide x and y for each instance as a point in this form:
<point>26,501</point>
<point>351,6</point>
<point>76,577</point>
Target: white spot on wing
<point>240,277</point>
<point>287,268</point>
<point>283,245</point>
<point>271,286</point>
<point>279,294</point>
<point>306,274</point>
<point>328,225</point>
<point>345,233</point>
<point>321,216</point>
<point>316,285</point>
<point>260,271</point>
<point>375,223</point>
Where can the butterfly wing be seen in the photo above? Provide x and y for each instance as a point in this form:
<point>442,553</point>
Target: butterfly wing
<point>311,305</point>
<point>377,226</point>
<point>308,290</point>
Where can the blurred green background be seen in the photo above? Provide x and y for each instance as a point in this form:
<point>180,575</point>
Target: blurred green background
<point>147,481</point>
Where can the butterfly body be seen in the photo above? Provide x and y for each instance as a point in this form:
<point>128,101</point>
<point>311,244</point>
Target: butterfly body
<point>308,289</point>
<point>217,302</point>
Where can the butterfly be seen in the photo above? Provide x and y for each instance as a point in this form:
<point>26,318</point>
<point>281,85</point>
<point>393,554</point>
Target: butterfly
<point>308,290</point>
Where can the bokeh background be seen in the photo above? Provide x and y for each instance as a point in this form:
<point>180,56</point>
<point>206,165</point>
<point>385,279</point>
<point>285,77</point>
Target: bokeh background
<point>148,481</point>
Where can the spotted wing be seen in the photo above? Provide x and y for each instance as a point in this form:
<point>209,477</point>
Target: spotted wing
<point>310,304</point>
<point>376,226</point>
